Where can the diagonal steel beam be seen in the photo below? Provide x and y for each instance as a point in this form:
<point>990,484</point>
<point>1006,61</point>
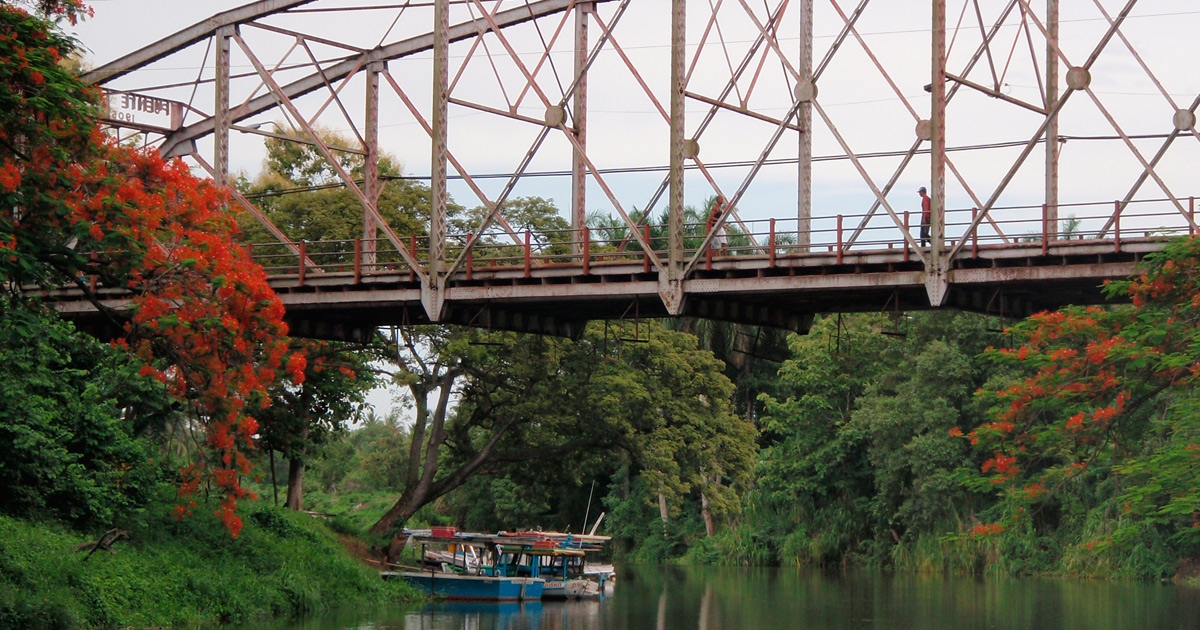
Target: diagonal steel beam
<point>916,146</point>
<point>1053,110</point>
<point>1146,172</point>
<point>730,86</point>
<point>286,103</point>
<point>187,37</point>
<point>397,50</point>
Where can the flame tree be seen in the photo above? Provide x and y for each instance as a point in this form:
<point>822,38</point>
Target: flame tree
<point>77,205</point>
<point>1098,432</point>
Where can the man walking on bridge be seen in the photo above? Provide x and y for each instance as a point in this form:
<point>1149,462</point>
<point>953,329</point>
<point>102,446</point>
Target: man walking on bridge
<point>926,216</point>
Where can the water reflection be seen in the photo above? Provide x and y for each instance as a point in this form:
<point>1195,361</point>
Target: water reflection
<point>760,599</point>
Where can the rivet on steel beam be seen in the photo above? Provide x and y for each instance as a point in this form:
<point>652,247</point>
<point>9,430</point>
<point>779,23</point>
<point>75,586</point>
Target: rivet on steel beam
<point>1078,78</point>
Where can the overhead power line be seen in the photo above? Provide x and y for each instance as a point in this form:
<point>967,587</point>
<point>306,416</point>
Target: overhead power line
<point>715,165</point>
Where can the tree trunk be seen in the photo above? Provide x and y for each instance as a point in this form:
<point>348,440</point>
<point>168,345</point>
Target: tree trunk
<point>709,527</point>
<point>295,499</point>
<point>663,512</point>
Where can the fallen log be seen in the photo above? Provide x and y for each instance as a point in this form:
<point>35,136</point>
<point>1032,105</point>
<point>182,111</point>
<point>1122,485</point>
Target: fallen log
<point>105,542</point>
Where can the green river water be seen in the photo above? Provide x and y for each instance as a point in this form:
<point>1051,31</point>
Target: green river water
<point>764,598</point>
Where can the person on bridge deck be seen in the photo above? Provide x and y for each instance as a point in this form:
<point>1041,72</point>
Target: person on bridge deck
<point>926,216</point>
<point>717,244</point>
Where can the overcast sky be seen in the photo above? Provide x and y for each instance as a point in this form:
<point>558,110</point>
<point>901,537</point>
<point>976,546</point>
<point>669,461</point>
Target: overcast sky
<point>626,129</point>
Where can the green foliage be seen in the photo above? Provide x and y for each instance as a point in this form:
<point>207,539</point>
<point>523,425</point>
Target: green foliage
<point>857,457</point>
<point>1092,448</point>
<point>182,573</point>
<point>69,414</point>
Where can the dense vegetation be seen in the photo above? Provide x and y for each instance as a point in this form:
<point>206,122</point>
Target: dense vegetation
<point>939,441</point>
<point>111,447</point>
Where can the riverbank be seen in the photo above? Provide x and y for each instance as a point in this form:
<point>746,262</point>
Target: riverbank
<point>171,573</point>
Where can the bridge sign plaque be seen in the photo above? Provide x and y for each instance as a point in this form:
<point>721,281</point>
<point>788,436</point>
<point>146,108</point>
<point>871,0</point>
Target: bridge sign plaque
<point>129,109</point>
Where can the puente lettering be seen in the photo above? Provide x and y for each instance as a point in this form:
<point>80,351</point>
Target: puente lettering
<point>125,108</point>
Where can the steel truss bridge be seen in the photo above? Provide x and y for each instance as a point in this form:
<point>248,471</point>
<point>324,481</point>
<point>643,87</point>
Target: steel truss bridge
<point>757,107</point>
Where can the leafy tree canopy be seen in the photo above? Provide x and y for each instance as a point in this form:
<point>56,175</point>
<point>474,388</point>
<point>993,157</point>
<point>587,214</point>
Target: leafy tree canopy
<point>202,319</point>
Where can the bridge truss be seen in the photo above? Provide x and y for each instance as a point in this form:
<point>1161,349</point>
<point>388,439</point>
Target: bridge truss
<point>754,105</point>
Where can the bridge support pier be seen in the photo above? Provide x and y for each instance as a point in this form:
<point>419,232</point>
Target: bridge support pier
<point>937,283</point>
<point>433,297</point>
<point>671,292</point>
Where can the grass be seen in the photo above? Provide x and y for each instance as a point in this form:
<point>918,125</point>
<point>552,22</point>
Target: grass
<point>350,512</point>
<point>183,573</point>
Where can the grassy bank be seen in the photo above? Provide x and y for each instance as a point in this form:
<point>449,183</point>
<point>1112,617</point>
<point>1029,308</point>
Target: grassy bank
<point>182,573</point>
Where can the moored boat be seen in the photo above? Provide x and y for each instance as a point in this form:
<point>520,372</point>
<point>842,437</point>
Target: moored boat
<point>569,561</point>
<point>455,568</point>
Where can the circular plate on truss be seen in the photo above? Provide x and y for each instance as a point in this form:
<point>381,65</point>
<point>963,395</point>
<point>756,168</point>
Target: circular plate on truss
<point>1078,78</point>
<point>924,130</point>
<point>1184,120</point>
<point>555,116</point>
<point>806,91</point>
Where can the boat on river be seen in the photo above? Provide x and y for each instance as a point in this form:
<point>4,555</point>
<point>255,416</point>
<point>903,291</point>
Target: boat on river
<point>566,562</point>
<point>467,567</point>
<point>517,566</point>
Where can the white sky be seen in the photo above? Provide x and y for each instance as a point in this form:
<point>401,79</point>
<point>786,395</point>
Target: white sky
<point>627,131</point>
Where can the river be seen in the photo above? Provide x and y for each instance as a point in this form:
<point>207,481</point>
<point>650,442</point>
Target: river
<point>704,598</point>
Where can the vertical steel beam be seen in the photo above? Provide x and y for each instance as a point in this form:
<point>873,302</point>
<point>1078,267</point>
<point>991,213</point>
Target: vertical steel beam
<point>371,167</point>
<point>936,276</point>
<point>579,109</point>
<point>671,287</point>
<point>1052,148</point>
<point>221,108</point>
<point>675,206</point>
<point>804,201</point>
<point>432,293</point>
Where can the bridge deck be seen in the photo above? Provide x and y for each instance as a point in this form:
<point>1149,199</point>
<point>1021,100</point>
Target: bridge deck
<point>347,300</point>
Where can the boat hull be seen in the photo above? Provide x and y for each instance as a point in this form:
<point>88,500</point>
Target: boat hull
<point>564,589</point>
<point>477,588</point>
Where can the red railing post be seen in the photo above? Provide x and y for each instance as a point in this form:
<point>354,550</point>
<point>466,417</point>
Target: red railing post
<point>303,257</point>
<point>839,239</point>
<point>357,260</point>
<point>1191,216</point>
<point>646,253</point>
<point>907,234</point>
<point>708,256</point>
<point>528,254</point>
<point>1045,229</point>
<point>412,250</point>
<point>587,251</point>
<point>470,258</point>
<point>974,233</point>
<point>1116,226</point>
<point>771,244</point>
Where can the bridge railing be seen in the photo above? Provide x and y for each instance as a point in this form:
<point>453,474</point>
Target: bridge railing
<point>831,239</point>
<point>1091,221</point>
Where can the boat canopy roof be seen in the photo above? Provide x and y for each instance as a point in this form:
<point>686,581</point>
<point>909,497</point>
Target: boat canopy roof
<point>536,542</point>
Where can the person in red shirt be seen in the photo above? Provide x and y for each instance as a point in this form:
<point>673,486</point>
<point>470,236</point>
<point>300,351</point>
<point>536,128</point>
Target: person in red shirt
<point>926,216</point>
<point>717,244</point>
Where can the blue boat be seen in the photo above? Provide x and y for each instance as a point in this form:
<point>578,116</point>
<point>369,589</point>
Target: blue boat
<point>455,567</point>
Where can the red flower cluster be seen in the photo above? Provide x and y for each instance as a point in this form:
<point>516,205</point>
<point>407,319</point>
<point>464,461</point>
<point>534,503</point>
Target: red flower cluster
<point>204,320</point>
